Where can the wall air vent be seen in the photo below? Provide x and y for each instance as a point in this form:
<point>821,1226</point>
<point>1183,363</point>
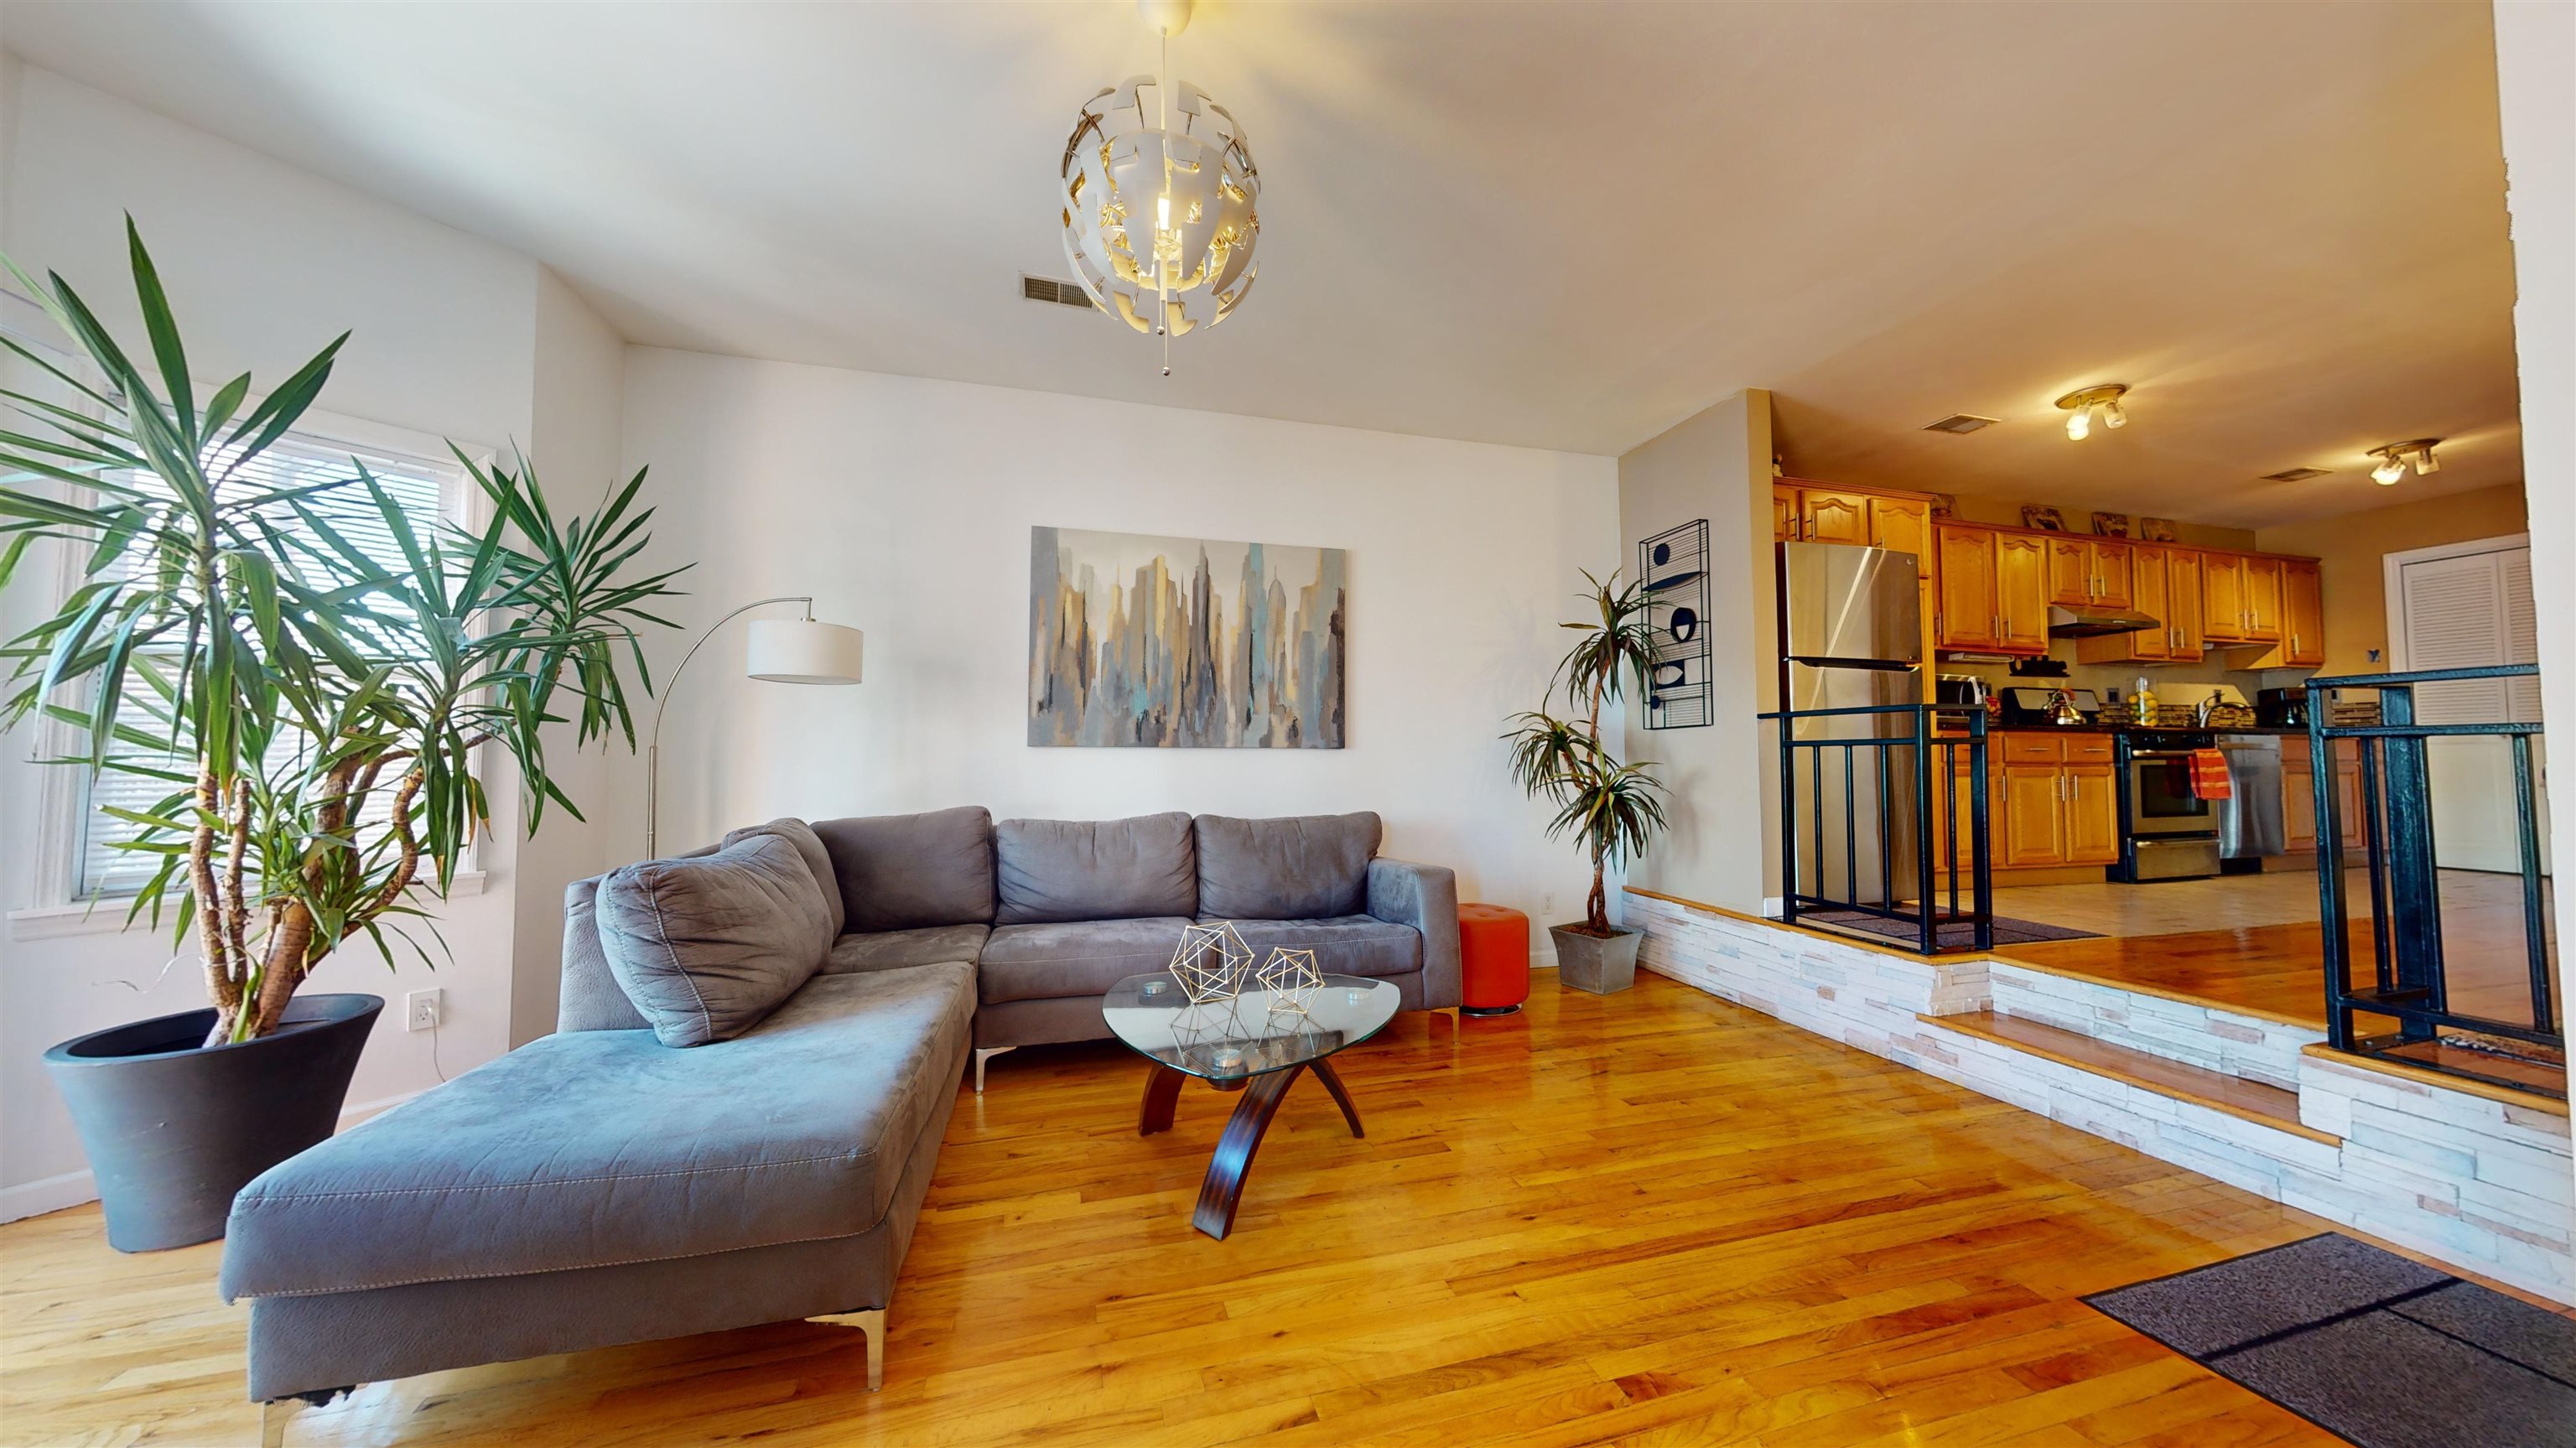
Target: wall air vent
<point>1960,422</point>
<point>1048,289</point>
<point>2294,475</point>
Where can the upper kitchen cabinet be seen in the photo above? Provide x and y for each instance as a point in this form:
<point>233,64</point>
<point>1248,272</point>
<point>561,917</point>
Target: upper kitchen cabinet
<point>1807,512</point>
<point>2089,573</point>
<point>1905,526</point>
<point>1992,589</point>
<point>2303,615</point>
<point>2263,600</point>
<point>2223,617</point>
<point>2165,585</point>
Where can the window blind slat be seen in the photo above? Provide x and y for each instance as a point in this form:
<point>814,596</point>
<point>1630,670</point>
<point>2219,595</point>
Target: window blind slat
<point>416,485</point>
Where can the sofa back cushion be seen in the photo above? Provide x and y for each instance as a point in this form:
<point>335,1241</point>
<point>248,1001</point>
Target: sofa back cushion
<point>706,947</point>
<point>809,848</point>
<point>1056,870</point>
<point>903,872</point>
<point>1305,867</point>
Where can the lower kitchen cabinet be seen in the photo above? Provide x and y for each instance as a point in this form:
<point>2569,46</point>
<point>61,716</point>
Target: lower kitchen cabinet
<point>2299,795</point>
<point>2032,811</point>
<point>2051,800</point>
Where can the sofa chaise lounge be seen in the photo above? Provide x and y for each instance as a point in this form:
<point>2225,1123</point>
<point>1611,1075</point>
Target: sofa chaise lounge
<point>757,1052</point>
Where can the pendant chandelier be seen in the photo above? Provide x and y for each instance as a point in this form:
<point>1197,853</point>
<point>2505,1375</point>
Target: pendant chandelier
<point>1158,195</point>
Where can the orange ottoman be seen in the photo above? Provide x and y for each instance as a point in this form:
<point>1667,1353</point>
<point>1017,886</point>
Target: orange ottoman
<point>1493,965</point>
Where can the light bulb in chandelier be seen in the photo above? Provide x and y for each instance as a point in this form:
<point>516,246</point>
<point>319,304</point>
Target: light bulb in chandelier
<point>2112,416</point>
<point>2079,423</point>
<point>1152,136</point>
<point>2388,472</point>
<point>2425,462</point>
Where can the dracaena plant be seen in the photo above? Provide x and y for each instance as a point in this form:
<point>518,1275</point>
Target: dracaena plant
<point>315,719</point>
<point>1614,810</point>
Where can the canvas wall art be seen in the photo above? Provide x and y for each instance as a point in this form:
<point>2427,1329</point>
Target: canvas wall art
<point>1144,642</point>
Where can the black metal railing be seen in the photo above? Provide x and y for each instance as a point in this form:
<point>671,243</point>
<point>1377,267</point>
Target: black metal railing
<point>2411,981</point>
<point>1895,779</point>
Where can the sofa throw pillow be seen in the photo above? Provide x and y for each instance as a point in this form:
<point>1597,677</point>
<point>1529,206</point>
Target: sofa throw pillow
<point>1054,870</point>
<point>810,845</point>
<point>707,947</point>
<point>1304,867</point>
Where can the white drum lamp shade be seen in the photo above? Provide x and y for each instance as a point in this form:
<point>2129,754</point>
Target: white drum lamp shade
<point>802,651</point>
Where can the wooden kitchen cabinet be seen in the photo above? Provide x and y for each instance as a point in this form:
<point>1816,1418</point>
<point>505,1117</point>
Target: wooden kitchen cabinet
<point>1785,519</point>
<point>2183,606</point>
<point>2021,593</point>
<point>2089,573</point>
<point>2262,600</point>
<point>2031,816</point>
<point>2303,615</point>
<point>1905,525</point>
<point>2222,598</point>
<point>1965,616</point>
<point>1835,517</point>
<point>2156,584</point>
<point>1993,589</point>
<point>2092,805</point>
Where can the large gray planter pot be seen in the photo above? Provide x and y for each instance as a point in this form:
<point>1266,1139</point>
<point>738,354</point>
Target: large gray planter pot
<point>172,1128</point>
<point>1591,963</point>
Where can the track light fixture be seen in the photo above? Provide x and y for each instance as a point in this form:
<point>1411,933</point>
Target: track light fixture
<point>2394,458</point>
<point>2083,404</point>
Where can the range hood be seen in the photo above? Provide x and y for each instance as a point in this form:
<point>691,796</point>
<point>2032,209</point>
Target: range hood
<point>2086,623</point>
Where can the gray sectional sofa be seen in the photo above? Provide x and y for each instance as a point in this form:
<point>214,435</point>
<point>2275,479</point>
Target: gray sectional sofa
<point>757,1052</point>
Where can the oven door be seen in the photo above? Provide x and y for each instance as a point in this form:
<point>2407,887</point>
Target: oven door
<point>2160,797</point>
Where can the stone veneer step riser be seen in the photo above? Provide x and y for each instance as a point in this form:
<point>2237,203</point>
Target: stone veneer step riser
<point>2195,1035</point>
<point>2499,1203</point>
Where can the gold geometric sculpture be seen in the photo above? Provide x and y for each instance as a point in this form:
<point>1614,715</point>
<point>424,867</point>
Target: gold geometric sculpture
<point>1292,980</point>
<point>1210,962</point>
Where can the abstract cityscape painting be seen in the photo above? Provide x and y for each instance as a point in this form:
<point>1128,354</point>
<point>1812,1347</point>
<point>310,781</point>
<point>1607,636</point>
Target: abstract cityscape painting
<point>1184,643</point>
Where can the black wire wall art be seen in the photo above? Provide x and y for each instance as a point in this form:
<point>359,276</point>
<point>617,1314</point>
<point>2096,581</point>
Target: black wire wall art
<point>1674,565</point>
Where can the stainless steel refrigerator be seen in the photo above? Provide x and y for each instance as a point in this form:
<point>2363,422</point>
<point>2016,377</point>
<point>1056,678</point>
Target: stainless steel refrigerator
<point>1851,636</point>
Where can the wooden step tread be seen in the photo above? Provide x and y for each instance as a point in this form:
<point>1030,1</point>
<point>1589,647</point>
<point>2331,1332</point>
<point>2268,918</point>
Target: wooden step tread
<point>2249,1100</point>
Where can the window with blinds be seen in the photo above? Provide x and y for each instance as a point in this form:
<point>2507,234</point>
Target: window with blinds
<point>417,485</point>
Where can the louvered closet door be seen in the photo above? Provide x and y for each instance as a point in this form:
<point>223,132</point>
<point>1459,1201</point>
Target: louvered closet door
<point>2470,611</point>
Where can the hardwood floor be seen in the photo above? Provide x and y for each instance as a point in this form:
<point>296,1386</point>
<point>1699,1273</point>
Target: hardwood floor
<point>1653,1218</point>
<point>2251,941</point>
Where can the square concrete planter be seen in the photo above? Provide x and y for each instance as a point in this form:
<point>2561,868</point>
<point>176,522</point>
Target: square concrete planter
<point>1593,963</point>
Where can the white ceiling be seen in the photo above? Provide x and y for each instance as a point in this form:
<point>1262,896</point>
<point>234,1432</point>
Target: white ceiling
<point>1558,225</point>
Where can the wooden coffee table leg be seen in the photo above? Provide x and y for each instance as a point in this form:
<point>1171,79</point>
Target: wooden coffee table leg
<point>1224,1185</point>
<point>1162,1088</point>
<point>1333,1083</point>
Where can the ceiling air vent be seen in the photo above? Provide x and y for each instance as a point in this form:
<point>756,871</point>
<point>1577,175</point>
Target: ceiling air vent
<point>1048,289</point>
<point>2294,475</point>
<point>1959,422</point>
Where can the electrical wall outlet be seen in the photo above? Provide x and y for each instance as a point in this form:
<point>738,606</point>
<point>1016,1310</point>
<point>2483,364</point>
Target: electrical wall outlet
<point>421,1010</point>
<point>1547,904</point>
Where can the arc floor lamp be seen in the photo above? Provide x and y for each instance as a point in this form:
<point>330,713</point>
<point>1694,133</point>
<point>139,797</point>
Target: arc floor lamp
<point>783,651</point>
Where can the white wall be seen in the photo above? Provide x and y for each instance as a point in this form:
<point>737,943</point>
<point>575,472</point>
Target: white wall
<point>1724,806</point>
<point>2535,55</point>
<point>580,376</point>
<point>905,505</point>
<point>264,264</point>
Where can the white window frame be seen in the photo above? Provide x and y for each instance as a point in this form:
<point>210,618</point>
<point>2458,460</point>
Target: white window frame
<point>63,808</point>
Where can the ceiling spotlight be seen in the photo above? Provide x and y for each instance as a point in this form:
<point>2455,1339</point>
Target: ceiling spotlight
<point>2081,405</point>
<point>2394,458</point>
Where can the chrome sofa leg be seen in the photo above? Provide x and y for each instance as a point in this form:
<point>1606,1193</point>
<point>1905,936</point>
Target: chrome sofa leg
<point>982,1055</point>
<point>871,1322</point>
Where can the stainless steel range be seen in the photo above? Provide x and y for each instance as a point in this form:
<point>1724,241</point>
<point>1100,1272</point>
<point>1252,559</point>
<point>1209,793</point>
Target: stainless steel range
<point>2166,831</point>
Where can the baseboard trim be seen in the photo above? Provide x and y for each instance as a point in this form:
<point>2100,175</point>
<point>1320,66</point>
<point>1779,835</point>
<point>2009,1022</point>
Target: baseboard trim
<point>72,1188</point>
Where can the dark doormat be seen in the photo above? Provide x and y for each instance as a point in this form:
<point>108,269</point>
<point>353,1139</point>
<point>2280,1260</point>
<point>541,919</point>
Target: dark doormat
<point>2383,1351</point>
<point>1955,934</point>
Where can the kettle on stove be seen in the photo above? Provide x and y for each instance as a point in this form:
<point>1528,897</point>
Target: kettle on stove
<point>2061,708</point>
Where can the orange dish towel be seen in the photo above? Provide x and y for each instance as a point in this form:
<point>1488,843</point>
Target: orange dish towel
<point>2209,775</point>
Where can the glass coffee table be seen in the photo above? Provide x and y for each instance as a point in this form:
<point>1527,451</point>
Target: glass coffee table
<point>1258,1043</point>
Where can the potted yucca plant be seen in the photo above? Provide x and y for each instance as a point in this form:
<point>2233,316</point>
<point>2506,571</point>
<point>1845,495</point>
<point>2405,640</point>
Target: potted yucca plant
<point>1615,810</point>
<point>312,719</point>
